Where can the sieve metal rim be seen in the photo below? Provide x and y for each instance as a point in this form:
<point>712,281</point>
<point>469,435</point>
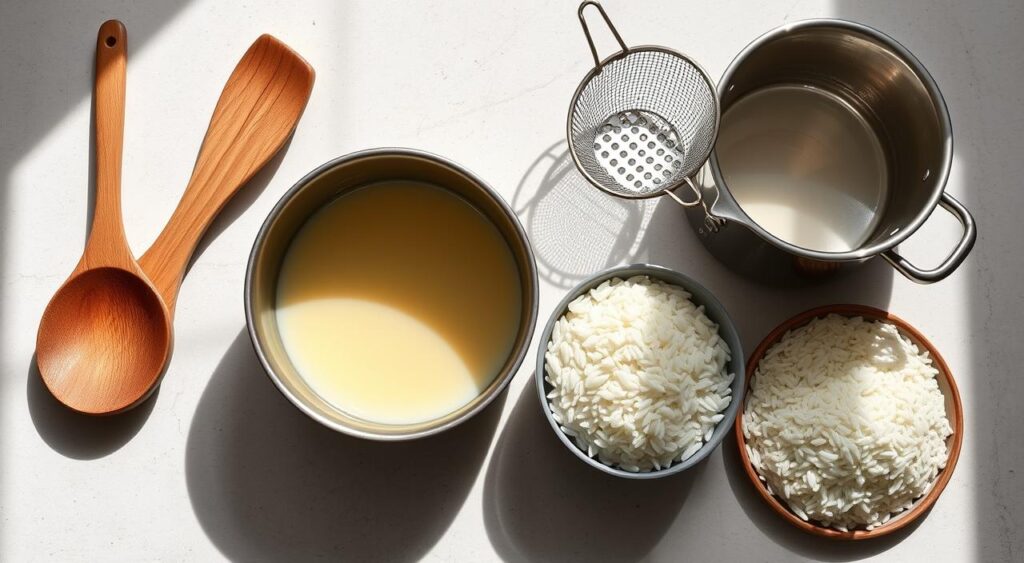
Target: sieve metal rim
<point>596,70</point>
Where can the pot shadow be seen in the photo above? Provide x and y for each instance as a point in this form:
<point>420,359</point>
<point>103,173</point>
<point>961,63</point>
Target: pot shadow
<point>541,503</point>
<point>267,482</point>
<point>788,536</point>
<point>755,308</point>
<point>575,229</point>
<point>79,436</point>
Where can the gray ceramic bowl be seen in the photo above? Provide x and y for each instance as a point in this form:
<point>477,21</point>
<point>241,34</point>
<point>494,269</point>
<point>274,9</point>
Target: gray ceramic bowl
<point>322,186</point>
<point>712,308</point>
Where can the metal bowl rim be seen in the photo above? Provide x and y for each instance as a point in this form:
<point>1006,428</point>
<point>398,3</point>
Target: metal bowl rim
<point>597,70</point>
<point>518,356</point>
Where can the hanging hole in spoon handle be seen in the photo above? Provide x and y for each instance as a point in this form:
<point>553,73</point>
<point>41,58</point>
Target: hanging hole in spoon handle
<point>256,113</point>
<point>955,258</point>
<point>590,39</point>
<point>106,236</point>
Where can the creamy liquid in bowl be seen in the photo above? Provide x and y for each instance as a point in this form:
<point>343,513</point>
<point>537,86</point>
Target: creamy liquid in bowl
<point>398,303</point>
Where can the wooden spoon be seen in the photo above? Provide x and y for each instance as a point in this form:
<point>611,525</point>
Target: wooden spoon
<point>105,338</point>
<point>107,321</point>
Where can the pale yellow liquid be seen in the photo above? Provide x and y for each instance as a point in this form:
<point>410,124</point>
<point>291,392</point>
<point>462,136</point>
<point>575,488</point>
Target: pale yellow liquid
<point>398,303</point>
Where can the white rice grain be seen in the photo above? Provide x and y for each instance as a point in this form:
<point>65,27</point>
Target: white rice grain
<point>846,420</point>
<point>638,374</point>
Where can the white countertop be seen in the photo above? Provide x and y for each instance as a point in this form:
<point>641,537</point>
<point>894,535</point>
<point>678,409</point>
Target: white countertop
<point>219,465</point>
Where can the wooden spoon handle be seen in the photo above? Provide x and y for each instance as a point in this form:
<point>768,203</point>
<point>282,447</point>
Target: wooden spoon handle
<point>256,113</point>
<point>107,245</point>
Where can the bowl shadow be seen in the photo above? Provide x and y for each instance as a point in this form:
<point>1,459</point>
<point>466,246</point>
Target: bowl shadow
<point>541,503</point>
<point>266,482</point>
<point>787,535</point>
<point>80,436</point>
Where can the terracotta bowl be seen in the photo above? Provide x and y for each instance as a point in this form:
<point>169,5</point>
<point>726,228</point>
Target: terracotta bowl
<point>954,412</point>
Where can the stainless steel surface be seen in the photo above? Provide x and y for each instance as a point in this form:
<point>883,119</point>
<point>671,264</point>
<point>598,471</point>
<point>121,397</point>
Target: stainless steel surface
<point>643,121</point>
<point>320,187</point>
<point>805,166</point>
<point>886,85</point>
<point>726,330</point>
<point>952,262</point>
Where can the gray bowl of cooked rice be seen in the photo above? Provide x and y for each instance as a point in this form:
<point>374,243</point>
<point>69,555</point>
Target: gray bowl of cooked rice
<point>640,372</point>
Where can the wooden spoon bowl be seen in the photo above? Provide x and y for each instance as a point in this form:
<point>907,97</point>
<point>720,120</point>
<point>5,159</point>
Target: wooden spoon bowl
<point>105,338</point>
<point>954,412</point>
<point>103,325</point>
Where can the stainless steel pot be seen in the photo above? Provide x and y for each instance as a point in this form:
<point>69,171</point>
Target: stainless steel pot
<point>885,86</point>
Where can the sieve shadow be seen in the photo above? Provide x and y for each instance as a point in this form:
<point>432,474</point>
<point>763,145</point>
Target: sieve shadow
<point>541,503</point>
<point>786,535</point>
<point>75,435</point>
<point>267,483</point>
<point>755,308</point>
<point>575,229</point>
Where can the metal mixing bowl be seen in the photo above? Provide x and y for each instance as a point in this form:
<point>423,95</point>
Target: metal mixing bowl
<point>324,185</point>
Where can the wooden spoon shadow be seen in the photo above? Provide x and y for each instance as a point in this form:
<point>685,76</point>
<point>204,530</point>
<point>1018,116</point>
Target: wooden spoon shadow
<point>80,436</point>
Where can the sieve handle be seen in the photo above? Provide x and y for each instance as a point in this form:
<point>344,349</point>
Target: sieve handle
<point>963,248</point>
<point>696,192</point>
<point>711,221</point>
<point>590,39</point>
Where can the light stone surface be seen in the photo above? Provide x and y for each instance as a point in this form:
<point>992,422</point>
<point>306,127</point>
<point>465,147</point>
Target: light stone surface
<point>219,466</point>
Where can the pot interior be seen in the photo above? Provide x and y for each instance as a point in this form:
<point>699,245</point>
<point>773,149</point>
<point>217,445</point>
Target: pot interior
<point>833,139</point>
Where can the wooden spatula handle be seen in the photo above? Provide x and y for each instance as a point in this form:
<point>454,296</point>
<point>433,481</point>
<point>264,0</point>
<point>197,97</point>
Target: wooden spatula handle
<point>107,246</point>
<point>256,113</point>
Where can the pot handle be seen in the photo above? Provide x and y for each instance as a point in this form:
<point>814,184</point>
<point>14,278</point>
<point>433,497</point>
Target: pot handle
<point>963,248</point>
<point>586,30</point>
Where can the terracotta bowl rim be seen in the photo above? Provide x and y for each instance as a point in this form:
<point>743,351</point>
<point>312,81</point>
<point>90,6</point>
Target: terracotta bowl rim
<point>955,441</point>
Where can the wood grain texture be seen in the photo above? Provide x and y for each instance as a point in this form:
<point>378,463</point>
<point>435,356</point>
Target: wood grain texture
<point>954,412</point>
<point>256,113</point>
<point>107,245</point>
<point>105,336</point>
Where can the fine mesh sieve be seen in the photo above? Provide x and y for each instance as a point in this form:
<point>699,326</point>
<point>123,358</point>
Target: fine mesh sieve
<point>643,121</point>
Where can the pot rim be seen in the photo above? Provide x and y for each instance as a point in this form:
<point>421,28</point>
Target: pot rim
<point>516,355</point>
<point>945,125</point>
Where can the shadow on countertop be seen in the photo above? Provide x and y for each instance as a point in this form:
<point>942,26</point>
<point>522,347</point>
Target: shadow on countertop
<point>755,308</point>
<point>79,436</point>
<point>787,535</point>
<point>76,435</point>
<point>268,483</point>
<point>543,504</point>
<point>972,50</point>
<point>575,229</point>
